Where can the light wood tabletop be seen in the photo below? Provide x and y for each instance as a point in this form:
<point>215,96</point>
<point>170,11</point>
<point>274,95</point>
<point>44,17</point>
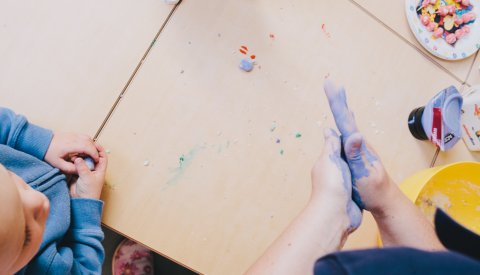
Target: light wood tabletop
<point>209,164</point>
<point>64,64</point>
<point>392,15</point>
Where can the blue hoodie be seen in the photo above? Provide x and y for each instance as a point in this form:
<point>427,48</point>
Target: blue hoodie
<point>72,239</point>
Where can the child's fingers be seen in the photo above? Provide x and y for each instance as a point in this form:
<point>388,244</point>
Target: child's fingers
<point>66,167</point>
<point>101,151</point>
<point>99,147</point>
<point>82,168</point>
<point>103,159</point>
<point>102,162</point>
<point>86,146</point>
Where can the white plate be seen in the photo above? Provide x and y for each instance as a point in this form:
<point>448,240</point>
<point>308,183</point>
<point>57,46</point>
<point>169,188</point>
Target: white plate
<point>464,48</point>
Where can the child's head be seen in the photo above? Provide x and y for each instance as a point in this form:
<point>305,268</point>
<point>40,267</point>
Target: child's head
<point>23,214</point>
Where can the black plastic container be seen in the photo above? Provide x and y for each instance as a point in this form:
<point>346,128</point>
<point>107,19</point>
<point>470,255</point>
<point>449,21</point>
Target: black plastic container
<point>415,124</point>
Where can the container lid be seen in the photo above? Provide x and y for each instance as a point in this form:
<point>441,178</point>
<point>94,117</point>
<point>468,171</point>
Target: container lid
<point>415,124</point>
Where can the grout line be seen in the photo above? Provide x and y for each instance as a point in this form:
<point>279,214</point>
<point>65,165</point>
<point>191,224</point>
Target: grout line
<point>435,157</point>
<point>470,70</point>
<point>134,73</point>
<point>161,254</point>
<point>424,54</point>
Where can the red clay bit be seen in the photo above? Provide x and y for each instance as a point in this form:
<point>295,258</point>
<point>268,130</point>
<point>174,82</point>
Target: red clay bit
<point>324,28</point>
<point>243,49</point>
<point>252,56</point>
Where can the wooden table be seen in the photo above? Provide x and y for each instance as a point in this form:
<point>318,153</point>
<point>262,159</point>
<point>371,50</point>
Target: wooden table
<point>209,164</point>
<point>63,64</point>
<point>392,15</point>
<point>205,165</point>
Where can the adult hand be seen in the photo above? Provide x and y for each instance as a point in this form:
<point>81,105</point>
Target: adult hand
<point>66,147</point>
<point>89,183</point>
<point>332,181</point>
<point>371,183</point>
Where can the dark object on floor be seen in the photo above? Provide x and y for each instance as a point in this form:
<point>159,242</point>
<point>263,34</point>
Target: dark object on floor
<point>163,266</point>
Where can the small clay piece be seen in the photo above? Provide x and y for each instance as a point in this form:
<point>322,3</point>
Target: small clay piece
<point>451,38</point>
<point>425,19</point>
<point>448,22</point>
<point>446,19</point>
<point>246,65</point>
<point>459,33</point>
<point>89,162</point>
<point>438,32</point>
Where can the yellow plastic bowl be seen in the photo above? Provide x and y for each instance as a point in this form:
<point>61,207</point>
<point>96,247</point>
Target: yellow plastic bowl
<point>454,188</point>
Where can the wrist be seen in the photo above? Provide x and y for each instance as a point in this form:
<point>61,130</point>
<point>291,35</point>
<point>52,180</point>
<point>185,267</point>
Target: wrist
<point>331,212</point>
<point>389,201</point>
<point>78,193</point>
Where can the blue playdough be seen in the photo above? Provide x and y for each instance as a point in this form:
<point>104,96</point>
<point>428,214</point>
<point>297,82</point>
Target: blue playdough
<point>360,159</point>
<point>89,162</point>
<point>246,65</point>
<point>354,210</point>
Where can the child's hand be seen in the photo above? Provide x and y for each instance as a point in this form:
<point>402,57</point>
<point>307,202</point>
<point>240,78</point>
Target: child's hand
<point>89,183</point>
<point>65,147</point>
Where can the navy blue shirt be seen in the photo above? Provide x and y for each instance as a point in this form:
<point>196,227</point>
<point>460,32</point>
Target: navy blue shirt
<point>463,257</point>
<point>393,261</point>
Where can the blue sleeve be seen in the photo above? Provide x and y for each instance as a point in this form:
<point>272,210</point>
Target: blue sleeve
<point>16,132</point>
<point>86,236</point>
<point>82,251</point>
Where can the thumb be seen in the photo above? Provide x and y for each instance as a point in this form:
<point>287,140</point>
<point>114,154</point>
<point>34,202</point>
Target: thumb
<point>354,146</point>
<point>82,168</point>
<point>359,158</point>
<point>332,142</point>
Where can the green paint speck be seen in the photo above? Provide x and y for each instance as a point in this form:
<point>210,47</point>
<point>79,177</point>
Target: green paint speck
<point>182,159</point>
<point>298,135</point>
<point>478,46</point>
<point>281,152</point>
<point>274,126</point>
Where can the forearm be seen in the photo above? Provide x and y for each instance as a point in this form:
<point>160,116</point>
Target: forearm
<point>317,231</point>
<point>401,223</point>
<point>16,132</point>
<point>86,236</point>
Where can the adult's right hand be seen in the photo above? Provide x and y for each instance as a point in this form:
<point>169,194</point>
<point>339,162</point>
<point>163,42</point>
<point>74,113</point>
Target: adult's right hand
<point>372,187</point>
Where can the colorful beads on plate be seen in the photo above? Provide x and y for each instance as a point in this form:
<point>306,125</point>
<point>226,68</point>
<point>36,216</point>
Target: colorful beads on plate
<point>446,19</point>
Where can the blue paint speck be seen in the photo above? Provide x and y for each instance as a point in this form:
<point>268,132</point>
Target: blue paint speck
<point>246,65</point>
